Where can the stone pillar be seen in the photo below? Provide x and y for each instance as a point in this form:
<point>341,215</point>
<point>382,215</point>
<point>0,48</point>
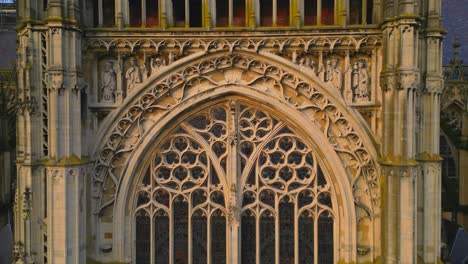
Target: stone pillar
<point>51,170</point>
<point>66,213</point>
<point>400,81</point>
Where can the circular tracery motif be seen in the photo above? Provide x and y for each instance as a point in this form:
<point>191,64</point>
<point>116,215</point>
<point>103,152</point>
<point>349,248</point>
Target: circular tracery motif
<point>189,194</point>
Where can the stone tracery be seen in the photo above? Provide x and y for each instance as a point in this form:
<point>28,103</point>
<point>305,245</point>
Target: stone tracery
<point>292,90</point>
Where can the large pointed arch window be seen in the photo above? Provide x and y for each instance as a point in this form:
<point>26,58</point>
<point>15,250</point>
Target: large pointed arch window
<point>232,171</point>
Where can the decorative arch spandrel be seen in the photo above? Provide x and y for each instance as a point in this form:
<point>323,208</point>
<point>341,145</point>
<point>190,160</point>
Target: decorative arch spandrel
<point>228,71</point>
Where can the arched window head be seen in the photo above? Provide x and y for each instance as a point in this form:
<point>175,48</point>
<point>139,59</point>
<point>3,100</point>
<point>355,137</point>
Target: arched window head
<point>184,203</point>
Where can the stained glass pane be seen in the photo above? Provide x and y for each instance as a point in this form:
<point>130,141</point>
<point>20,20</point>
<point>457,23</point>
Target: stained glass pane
<point>161,237</point>
<point>310,12</point>
<point>286,229</point>
<point>306,238</point>
<point>135,13</point>
<point>282,17</point>
<point>195,11</point>
<point>355,12</point>
<point>238,18</point>
<point>222,13</point>
<point>152,13</point>
<point>143,240</point>
<point>266,13</point>
<point>325,238</point>
<point>248,238</point>
<point>267,238</point>
<point>180,231</point>
<point>328,12</point>
<point>218,241</point>
<point>199,241</point>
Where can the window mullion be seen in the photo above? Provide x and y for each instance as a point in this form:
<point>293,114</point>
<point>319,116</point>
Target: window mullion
<point>296,231</point>
<point>143,13</point>
<point>208,235</point>
<point>187,14</point>
<point>100,13</point>
<point>319,12</point>
<point>275,11</point>
<point>277,231</point>
<point>231,11</point>
<point>189,230</point>
<point>171,232</point>
<point>257,234</point>
<point>364,12</point>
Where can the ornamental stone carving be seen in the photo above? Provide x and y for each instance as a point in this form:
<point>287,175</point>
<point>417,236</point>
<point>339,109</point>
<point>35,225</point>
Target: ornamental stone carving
<point>333,74</point>
<point>360,81</point>
<point>247,71</point>
<point>133,75</point>
<point>109,83</point>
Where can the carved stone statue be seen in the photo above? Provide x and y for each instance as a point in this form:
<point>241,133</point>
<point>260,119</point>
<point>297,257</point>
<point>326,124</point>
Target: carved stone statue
<point>333,74</point>
<point>360,81</point>
<point>109,84</point>
<point>133,75</point>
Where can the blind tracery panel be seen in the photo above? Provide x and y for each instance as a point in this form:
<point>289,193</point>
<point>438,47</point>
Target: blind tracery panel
<point>228,165</point>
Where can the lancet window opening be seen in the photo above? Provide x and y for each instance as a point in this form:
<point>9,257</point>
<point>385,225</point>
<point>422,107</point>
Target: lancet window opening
<point>233,165</point>
<point>274,13</point>
<point>360,12</point>
<point>230,13</point>
<point>318,12</point>
<point>143,13</point>
<point>187,13</point>
<point>103,13</point>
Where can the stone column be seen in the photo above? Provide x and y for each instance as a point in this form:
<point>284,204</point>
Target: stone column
<point>400,81</point>
<point>66,213</point>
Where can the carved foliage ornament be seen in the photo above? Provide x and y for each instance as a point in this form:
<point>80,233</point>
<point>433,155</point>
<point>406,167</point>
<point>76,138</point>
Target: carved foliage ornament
<point>276,44</point>
<point>248,72</point>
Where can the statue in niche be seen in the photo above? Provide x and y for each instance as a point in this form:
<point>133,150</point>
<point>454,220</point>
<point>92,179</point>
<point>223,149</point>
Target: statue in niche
<point>109,84</point>
<point>144,71</point>
<point>157,63</point>
<point>333,74</point>
<point>360,81</point>
<point>305,62</point>
<point>133,75</point>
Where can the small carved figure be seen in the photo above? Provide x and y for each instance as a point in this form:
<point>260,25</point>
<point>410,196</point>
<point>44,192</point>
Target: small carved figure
<point>156,64</point>
<point>171,58</point>
<point>109,84</point>
<point>144,71</point>
<point>333,74</point>
<point>133,75</point>
<point>360,81</point>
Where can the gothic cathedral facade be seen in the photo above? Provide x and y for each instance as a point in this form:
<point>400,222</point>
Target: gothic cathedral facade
<point>228,131</point>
